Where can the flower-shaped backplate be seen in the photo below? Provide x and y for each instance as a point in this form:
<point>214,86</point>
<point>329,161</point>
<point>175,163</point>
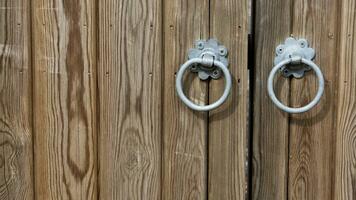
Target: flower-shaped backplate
<point>212,48</point>
<point>291,48</point>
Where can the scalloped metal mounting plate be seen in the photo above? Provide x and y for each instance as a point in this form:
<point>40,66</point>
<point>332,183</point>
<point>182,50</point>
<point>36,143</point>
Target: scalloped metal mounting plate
<point>293,47</point>
<point>212,48</point>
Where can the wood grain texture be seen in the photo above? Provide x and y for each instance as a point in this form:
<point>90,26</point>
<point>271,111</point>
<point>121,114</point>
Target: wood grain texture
<point>321,150</point>
<point>227,177</point>
<point>345,156</point>
<point>130,67</point>
<point>65,99</point>
<point>16,155</point>
<point>312,134</point>
<point>184,131</point>
<point>270,125</point>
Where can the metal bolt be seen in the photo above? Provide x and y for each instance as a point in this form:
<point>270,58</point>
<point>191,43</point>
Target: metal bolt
<point>303,43</point>
<point>280,49</point>
<point>200,45</point>
<point>222,51</point>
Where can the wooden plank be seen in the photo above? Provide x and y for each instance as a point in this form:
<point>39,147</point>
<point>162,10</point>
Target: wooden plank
<point>270,125</point>
<point>130,67</point>
<point>65,99</point>
<point>312,134</point>
<point>345,171</point>
<point>184,131</point>
<point>228,124</point>
<point>16,155</point>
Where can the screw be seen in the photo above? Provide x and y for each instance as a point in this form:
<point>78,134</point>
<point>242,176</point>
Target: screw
<point>200,45</point>
<point>303,43</point>
<point>216,74</point>
<point>280,49</point>
<point>222,51</point>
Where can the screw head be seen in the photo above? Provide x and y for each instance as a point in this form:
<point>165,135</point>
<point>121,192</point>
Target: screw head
<point>222,51</point>
<point>194,68</point>
<point>280,49</point>
<point>216,74</point>
<point>303,43</point>
<point>200,45</point>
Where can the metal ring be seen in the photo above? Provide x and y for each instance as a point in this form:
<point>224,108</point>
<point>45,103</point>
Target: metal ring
<point>189,103</point>
<point>317,98</point>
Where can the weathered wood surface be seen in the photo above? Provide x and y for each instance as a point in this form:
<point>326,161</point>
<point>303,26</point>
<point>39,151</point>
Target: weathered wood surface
<point>184,131</point>
<point>16,155</point>
<point>312,134</point>
<point>270,125</point>
<point>227,169</point>
<point>130,106</point>
<point>318,152</point>
<point>345,156</point>
<point>88,107</point>
<point>64,63</point>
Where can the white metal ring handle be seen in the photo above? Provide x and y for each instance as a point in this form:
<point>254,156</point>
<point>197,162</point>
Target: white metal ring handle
<point>318,96</point>
<point>189,103</point>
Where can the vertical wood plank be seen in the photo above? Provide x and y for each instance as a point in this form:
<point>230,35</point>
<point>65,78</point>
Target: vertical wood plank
<point>130,67</point>
<point>65,99</point>
<point>312,134</point>
<point>345,159</point>
<point>16,155</point>
<point>270,125</point>
<point>228,124</point>
<point>184,131</point>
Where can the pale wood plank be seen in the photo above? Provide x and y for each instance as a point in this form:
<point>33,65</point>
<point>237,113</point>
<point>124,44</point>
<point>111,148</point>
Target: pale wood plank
<point>184,131</point>
<point>228,124</point>
<point>130,67</point>
<point>270,125</point>
<point>16,155</point>
<point>312,134</point>
<point>65,99</point>
<point>345,171</point>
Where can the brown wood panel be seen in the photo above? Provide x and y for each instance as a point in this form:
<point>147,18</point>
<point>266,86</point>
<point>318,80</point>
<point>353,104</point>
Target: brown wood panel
<point>320,147</point>
<point>270,125</point>
<point>345,171</point>
<point>184,130</point>
<point>129,71</point>
<point>227,177</point>
<point>16,155</point>
<point>312,134</point>
<point>64,56</point>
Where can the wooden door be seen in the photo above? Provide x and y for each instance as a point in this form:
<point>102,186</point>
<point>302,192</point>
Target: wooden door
<point>310,155</point>
<point>89,110</point>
